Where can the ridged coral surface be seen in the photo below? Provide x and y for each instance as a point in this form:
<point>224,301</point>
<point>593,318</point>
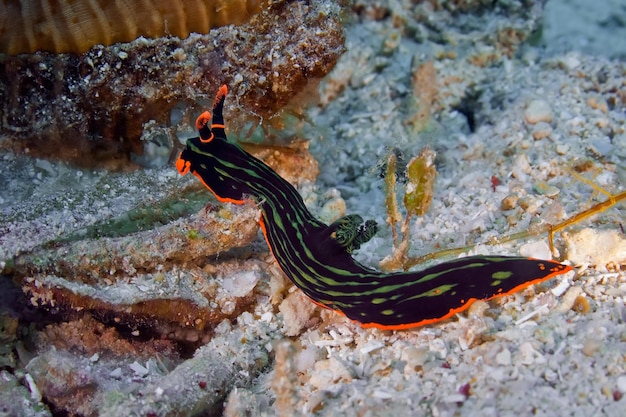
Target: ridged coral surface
<point>27,26</point>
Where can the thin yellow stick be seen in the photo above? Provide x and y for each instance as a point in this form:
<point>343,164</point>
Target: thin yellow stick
<point>588,182</point>
<point>551,229</point>
<point>598,208</point>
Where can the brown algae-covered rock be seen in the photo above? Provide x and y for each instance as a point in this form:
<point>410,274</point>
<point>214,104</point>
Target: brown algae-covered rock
<point>92,109</point>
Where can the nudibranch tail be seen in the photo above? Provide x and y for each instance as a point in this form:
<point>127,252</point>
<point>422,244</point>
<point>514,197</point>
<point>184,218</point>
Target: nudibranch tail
<point>317,257</point>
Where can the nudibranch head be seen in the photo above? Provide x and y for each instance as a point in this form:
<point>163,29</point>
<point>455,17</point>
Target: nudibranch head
<point>182,165</point>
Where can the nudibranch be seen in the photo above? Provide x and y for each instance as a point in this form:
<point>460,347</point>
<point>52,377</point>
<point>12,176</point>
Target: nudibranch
<point>317,257</point>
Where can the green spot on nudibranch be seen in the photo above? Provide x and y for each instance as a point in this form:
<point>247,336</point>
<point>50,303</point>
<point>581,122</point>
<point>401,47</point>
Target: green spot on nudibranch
<point>378,300</point>
<point>501,275</point>
<point>387,312</point>
<point>498,276</point>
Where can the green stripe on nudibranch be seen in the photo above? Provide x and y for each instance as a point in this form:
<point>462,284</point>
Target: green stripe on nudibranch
<point>317,257</point>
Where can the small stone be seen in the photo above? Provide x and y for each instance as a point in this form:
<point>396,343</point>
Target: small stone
<point>529,204</point>
<point>296,311</point>
<point>529,355</point>
<point>599,104</point>
<point>538,111</point>
<point>416,357</point>
<point>503,358</point>
<point>538,250</point>
<point>569,299</point>
<point>240,284</point>
<point>621,384</point>
<point>560,288</point>
<point>541,130</point>
<point>192,336</point>
<point>591,347</point>
<point>139,369</point>
<point>570,61</point>
<point>595,247</point>
<point>477,309</point>
<point>606,390</point>
<point>116,373</point>
<point>550,375</point>
<point>333,210</point>
<point>509,202</point>
<point>521,166</point>
<point>601,147</point>
<point>562,149</point>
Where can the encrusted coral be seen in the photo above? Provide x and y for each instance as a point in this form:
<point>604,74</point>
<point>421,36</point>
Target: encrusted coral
<point>145,385</point>
<point>93,108</point>
<point>158,280</point>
